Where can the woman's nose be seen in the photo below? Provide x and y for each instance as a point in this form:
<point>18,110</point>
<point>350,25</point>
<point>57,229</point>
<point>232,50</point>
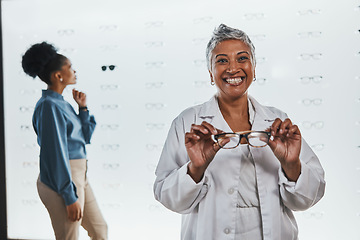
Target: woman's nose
<point>233,67</point>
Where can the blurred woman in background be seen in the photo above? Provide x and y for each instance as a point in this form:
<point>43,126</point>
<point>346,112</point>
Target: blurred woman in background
<point>62,135</point>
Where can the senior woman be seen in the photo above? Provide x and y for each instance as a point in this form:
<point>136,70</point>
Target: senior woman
<point>248,192</point>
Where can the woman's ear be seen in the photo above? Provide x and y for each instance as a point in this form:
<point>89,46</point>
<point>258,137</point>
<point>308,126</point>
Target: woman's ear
<point>56,77</point>
<point>211,77</point>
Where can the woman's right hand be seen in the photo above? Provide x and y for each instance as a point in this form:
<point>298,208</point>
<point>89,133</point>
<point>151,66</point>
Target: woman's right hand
<point>200,148</point>
<point>79,97</point>
<point>74,211</point>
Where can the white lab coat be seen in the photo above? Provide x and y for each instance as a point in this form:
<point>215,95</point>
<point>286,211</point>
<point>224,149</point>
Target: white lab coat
<point>208,208</point>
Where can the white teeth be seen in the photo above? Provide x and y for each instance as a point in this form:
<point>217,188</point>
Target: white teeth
<point>234,80</point>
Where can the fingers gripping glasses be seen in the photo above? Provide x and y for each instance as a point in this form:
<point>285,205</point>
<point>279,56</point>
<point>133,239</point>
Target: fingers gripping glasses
<point>253,138</point>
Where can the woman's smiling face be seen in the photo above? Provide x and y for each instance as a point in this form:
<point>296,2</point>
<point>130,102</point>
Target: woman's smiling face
<point>232,69</point>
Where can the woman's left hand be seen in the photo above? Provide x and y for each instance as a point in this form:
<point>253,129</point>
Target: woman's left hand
<point>79,97</point>
<point>285,142</point>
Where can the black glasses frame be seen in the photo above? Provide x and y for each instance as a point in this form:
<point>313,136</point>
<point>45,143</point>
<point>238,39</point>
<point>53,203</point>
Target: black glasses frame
<point>111,67</point>
<point>243,134</point>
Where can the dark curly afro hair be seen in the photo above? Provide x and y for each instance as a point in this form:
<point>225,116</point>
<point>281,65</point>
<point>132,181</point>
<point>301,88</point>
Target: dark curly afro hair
<point>41,60</point>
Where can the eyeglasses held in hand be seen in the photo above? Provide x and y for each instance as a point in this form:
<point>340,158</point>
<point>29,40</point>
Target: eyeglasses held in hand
<point>253,138</point>
<point>111,67</point>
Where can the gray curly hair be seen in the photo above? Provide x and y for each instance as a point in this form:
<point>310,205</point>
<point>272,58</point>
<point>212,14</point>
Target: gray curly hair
<point>223,33</point>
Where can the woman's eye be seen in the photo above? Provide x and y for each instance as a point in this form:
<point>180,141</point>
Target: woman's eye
<point>221,61</point>
<point>243,58</point>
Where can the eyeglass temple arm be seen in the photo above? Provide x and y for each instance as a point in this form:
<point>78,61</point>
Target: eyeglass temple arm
<point>249,131</point>
<point>243,132</point>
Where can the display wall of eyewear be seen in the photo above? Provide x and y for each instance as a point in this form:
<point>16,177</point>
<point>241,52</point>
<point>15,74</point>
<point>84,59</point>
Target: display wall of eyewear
<point>261,60</point>
<point>27,183</point>
<point>68,50</point>
<point>157,64</point>
<point>154,106</point>
<point>261,81</point>
<point>311,56</point>
<point>199,84</point>
<point>198,41</point>
<point>314,79</point>
<point>111,166</point>
<point>199,62</point>
<point>318,147</point>
<point>258,37</point>
<point>155,126</point>
<point>316,125</point>
<point>28,164</point>
<point>110,87</point>
<point>152,147</point>
<point>315,101</point>
<point>200,20</point>
<point>26,128</point>
<point>26,109</point>
<point>29,145</point>
<point>29,91</point>
<point>154,24</point>
<point>108,48</point>
<point>254,16</point>
<point>156,208</point>
<point>314,34</point>
<point>66,32</point>
<point>109,28</point>
<point>113,147</point>
<point>159,70</point>
<point>109,106</point>
<point>113,186</point>
<point>152,44</point>
<point>311,214</point>
<point>151,167</point>
<point>30,202</point>
<point>114,205</point>
<point>151,85</point>
<point>112,127</point>
<point>308,12</point>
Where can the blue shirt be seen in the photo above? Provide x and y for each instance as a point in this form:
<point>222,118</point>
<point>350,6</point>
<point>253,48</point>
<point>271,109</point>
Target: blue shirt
<point>61,135</point>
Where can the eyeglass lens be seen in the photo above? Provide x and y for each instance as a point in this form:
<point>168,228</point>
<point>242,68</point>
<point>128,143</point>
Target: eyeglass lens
<point>228,140</point>
<point>258,139</point>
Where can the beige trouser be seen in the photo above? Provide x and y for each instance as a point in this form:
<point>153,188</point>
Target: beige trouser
<point>92,221</point>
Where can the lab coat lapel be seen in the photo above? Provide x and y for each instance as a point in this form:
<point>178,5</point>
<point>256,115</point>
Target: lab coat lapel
<point>267,167</point>
<point>211,113</point>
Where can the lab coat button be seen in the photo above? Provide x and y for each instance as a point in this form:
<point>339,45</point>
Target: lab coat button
<point>226,231</point>
<point>231,191</point>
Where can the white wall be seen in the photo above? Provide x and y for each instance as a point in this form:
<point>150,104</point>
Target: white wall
<point>158,48</point>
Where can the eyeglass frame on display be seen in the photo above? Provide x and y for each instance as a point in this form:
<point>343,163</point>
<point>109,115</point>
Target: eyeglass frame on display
<point>111,67</point>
